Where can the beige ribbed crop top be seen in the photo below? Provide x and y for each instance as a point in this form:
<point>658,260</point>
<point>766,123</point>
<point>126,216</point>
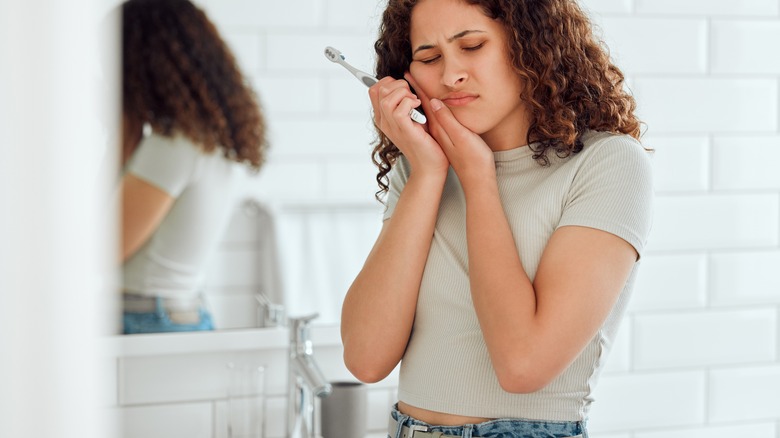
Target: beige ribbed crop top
<point>446,367</point>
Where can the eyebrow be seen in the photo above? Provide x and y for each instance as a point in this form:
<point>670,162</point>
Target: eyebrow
<point>449,40</point>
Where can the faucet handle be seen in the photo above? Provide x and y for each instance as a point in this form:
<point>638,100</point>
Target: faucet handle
<point>299,330</point>
<point>303,320</point>
<point>268,313</point>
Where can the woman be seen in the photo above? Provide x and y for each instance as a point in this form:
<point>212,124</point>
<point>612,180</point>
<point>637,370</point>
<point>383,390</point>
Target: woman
<point>183,84</point>
<point>515,219</point>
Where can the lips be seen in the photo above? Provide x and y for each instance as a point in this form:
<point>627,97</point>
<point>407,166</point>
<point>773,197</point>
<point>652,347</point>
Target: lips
<point>459,99</point>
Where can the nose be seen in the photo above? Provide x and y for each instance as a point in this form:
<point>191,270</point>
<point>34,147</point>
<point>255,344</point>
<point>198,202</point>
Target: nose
<point>454,73</point>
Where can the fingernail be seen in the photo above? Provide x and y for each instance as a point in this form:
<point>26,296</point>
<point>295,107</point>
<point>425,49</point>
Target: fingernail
<point>436,104</point>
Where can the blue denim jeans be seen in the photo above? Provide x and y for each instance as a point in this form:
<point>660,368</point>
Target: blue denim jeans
<point>499,428</point>
<point>158,321</point>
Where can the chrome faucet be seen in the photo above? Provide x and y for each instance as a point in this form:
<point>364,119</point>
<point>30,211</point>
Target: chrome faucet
<point>306,380</point>
<point>268,313</point>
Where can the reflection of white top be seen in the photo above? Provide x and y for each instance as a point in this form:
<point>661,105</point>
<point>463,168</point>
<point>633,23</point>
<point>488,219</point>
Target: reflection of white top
<point>446,366</point>
<point>171,263</point>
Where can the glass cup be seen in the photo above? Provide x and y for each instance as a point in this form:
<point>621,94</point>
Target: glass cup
<point>245,401</point>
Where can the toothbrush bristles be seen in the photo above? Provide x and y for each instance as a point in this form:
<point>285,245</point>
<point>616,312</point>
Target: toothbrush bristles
<point>332,53</point>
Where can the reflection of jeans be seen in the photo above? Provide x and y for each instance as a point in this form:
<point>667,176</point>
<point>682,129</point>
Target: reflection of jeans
<point>499,428</point>
<point>158,321</point>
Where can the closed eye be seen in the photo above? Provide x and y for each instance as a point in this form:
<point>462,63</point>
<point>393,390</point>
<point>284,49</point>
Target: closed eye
<point>435,58</point>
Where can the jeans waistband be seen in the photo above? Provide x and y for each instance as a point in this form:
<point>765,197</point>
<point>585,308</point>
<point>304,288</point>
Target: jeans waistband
<point>404,426</point>
<point>149,303</point>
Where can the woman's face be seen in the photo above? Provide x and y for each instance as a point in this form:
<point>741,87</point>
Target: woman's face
<point>460,56</point>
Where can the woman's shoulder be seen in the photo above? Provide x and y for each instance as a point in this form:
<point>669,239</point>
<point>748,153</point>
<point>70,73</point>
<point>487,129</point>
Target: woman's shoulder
<point>173,142</point>
<point>179,147</point>
<point>177,158</point>
<point>609,142</point>
<point>612,148</point>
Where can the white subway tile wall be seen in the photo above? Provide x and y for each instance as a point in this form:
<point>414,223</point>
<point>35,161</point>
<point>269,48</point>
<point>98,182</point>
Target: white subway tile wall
<point>699,352</point>
<point>759,430</point>
<point>680,49</point>
<point>707,103</point>
<point>638,400</point>
<point>681,163</point>
<point>733,170</point>
<point>739,46</point>
<point>745,278</point>
<point>704,338</point>
<point>744,394</point>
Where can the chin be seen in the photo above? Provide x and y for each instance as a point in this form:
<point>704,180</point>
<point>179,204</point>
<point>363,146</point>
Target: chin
<point>472,122</point>
<point>478,127</point>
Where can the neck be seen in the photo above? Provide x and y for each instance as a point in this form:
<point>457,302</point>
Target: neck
<point>502,141</point>
<point>510,133</point>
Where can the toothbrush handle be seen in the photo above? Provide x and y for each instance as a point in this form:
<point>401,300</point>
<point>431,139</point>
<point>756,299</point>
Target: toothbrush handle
<point>418,117</point>
<point>369,80</point>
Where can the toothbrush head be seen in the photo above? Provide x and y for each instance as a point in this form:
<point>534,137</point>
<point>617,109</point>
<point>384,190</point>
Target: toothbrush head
<point>333,54</point>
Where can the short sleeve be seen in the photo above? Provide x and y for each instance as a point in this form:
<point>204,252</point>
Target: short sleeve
<point>167,163</point>
<point>613,190</point>
<point>398,177</point>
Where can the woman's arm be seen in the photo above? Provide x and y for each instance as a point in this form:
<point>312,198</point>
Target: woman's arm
<point>143,207</point>
<point>379,307</point>
<point>533,331</point>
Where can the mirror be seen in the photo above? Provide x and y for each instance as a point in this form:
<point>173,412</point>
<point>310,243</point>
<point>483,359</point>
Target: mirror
<point>304,225</point>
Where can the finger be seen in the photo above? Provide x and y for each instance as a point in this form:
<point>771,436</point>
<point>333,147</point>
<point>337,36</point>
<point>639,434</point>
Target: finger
<point>399,103</point>
<point>402,112</point>
<point>434,127</point>
<point>375,96</point>
<point>456,132</point>
<point>380,90</point>
<point>389,85</point>
<point>425,103</point>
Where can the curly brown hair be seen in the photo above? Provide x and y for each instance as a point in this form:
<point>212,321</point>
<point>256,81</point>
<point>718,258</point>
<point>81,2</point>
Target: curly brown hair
<point>180,77</point>
<point>570,83</point>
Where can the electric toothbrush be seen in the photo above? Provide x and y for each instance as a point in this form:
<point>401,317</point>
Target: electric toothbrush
<point>367,80</point>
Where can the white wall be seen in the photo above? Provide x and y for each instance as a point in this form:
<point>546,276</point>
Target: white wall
<point>55,244</point>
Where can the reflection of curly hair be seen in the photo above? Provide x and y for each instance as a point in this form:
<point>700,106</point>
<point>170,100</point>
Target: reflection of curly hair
<point>180,77</point>
<point>570,84</point>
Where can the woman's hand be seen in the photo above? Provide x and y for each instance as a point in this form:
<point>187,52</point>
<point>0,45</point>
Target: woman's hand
<point>392,101</point>
<point>470,157</point>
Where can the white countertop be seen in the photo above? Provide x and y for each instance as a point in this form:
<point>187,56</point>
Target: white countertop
<point>222,340</point>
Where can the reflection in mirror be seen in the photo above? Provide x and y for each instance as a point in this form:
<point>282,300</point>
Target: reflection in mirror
<point>190,123</point>
<point>314,189</point>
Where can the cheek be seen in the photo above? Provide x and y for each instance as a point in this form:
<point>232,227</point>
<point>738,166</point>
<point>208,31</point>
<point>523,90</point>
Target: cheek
<point>425,79</point>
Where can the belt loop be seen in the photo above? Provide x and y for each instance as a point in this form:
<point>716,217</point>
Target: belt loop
<point>583,428</point>
<point>467,430</point>
<point>400,424</point>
